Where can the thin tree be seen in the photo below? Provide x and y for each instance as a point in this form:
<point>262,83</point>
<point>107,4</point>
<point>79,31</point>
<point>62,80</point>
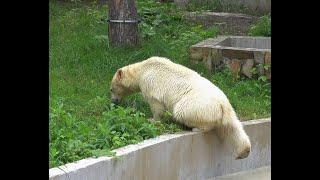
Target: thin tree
<point>123,23</point>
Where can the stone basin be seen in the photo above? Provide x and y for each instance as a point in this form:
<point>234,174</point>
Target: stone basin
<point>239,53</point>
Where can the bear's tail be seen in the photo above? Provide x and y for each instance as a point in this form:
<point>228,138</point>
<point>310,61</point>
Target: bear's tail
<point>233,134</point>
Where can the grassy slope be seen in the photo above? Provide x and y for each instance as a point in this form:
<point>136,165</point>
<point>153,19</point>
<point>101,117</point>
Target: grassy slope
<point>82,122</point>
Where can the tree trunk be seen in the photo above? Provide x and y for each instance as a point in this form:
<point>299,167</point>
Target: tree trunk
<point>123,33</point>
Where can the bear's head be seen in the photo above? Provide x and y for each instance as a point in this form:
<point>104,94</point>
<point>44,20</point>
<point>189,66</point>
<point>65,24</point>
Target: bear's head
<point>121,86</point>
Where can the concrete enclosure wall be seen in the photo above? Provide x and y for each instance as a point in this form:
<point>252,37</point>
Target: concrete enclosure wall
<point>188,155</point>
<point>228,23</point>
<point>254,5</point>
<point>247,42</point>
<point>262,6</point>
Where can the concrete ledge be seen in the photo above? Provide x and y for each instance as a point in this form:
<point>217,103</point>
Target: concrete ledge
<point>236,43</point>
<point>263,173</point>
<point>230,23</point>
<point>187,155</point>
<point>262,6</point>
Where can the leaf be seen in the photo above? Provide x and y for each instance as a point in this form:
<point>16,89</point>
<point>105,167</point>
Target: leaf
<point>262,78</point>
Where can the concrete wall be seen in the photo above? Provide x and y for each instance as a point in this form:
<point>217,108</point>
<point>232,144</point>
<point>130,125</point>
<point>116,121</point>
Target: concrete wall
<point>262,6</point>
<point>188,155</point>
<point>254,5</point>
<point>228,23</point>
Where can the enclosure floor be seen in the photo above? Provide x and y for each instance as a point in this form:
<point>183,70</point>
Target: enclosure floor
<point>263,173</point>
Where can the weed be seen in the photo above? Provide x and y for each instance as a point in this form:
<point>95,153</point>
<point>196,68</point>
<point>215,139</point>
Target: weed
<point>262,27</point>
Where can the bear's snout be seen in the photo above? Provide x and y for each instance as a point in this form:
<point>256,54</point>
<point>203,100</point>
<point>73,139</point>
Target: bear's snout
<point>115,100</point>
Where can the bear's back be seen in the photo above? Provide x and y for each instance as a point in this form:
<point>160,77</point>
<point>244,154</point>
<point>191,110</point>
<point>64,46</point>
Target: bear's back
<point>170,82</point>
<point>166,66</point>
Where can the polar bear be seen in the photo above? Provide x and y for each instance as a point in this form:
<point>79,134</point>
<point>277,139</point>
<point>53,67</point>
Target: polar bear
<point>193,100</point>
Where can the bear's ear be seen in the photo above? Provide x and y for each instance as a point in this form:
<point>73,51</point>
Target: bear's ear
<point>119,74</point>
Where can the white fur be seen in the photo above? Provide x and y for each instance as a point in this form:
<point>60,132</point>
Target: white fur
<point>192,99</point>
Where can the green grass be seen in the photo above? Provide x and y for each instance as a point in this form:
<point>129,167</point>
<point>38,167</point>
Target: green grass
<point>82,121</point>
<point>250,98</point>
<point>262,27</point>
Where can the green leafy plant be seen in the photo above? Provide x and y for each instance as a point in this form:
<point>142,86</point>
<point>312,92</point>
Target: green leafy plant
<point>262,27</point>
<point>116,126</point>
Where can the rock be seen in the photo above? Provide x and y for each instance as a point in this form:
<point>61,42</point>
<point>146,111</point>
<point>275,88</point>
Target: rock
<point>259,57</point>
<point>207,58</point>
<point>247,67</point>
<point>235,66</point>
<point>195,54</point>
<point>216,58</point>
<point>267,61</point>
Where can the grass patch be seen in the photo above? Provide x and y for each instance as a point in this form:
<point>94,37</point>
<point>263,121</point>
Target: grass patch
<point>82,121</point>
<point>262,27</point>
<point>105,128</point>
<point>251,98</point>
